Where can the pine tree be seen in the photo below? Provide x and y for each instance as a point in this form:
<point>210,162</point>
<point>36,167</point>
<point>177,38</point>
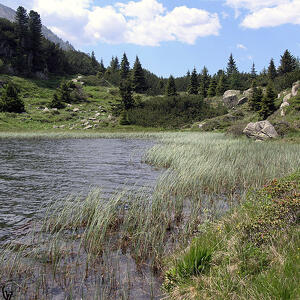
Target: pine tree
<point>138,77</point>
<point>288,63</point>
<point>10,100</point>
<point>125,67</point>
<point>231,66</point>
<point>114,64</point>
<point>212,87</point>
<point>256,97</point>
<point>126,94</point>
<point>193,85</point>
<point>221,86</point>
<point>272,73</point>
<point>21,29</point>
<point>268,103</point>
<point>204,82</point>
<point>94,61</point>
<point>171,87</point>
<point>253,71</point>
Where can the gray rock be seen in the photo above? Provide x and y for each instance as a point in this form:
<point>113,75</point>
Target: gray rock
<point>230,97</point>
<point>76,109</point>
<point>242,101</point>
<point>262,130</point>
<point>295,88</point>
<point>88,127</point>
<point>287,97</point>
<point>46,109</point>
<point>248,93</point>
<point>282,106</point>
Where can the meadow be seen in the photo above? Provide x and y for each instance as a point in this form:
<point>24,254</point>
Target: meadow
<point>89,246</point>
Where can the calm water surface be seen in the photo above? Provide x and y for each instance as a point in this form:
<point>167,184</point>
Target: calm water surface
<point>33,172</point>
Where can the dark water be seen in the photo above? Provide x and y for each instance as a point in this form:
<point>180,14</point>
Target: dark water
<point>33,172</point>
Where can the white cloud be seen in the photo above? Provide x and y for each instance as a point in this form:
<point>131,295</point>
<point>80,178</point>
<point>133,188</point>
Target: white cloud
<point>241,46</point>
<point>143,22</point>
<point>267,13</point>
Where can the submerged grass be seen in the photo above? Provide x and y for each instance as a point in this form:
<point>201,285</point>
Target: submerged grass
<point>81,242</point>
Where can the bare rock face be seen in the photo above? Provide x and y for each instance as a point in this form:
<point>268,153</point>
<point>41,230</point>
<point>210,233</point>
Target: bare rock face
<point>262,130</point>
<point>295,88</point>
<point>248,93</point>
<point>242,101</point>
<point>230,98</point>
<point>287,98</point>
<point>282,108</point>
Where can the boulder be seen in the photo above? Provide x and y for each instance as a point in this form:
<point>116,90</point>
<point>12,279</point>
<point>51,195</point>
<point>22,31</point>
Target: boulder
<point>295,88</point>
<point>282,106</point>
<point>242,101</point>
<point>262,130</point>
<point>46,109</point>
<point>88,127</point>
<point>287,97</point>
<point>76,109</point>
<point>248,93</point>
<point>230,97</point>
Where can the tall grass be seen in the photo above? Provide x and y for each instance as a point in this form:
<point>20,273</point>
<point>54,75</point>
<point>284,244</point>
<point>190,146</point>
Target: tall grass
<point>84,242</point>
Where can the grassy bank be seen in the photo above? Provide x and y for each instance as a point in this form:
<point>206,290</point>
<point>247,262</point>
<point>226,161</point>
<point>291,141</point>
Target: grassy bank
<point>251,253</point>
<point>83,243</point>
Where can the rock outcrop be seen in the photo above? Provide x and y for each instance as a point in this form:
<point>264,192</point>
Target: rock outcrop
<point>295,88</point>
<point>230,98</point>
<point>287,98</point>
<point>242,101</point>
<point>262,130</point>
<point>282,108</point>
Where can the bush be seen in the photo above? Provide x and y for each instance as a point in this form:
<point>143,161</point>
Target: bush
<point>172,112</point>
<point>10,101</point>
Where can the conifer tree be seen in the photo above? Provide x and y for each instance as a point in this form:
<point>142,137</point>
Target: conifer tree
<point>212,87</point>
<point>253,71</point>
<point>126,94</point>
<point>256,97</point>
<point>94,61</point>
<point>114,64</point>
<point>21,20</point>
<point>102,69</point>
<point>272,73</point>
<point>125,67</point>
<point>268,102</point>
<point>231,66</point>
<point>221,86</point>
<point>10,100</point>
<point>56,102</point>
<point>288,63</point>
<point>138,77</point>
<point>204,82</point>
<point>171,87</point>
<point>193,85</point>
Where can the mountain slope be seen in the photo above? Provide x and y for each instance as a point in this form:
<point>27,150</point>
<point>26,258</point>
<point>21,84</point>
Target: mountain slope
<point>9,14</point>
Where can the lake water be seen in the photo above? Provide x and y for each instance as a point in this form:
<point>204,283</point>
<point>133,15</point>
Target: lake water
<point>33,172</point>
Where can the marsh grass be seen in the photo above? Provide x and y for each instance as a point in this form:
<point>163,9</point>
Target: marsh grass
<point>87,245</point>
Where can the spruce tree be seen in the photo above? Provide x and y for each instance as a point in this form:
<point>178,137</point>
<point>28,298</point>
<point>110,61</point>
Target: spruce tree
<point>10,100</point>
<point>288,63</point>
<point>253,73</point>
<point>272,73</point>
<point>138,77</point>
<point>114,64</point>
<point>204,82</point>
<point>231,66</point>
<point>193,85</point>
<point>102,69</point>
<point>126,94</point>
<point>171,87</point>
<point>212,87</point>
<point>56,102</point>
<point>221,86</point>
<point>94,61</point>
<point>256,97</point>
<point>268,103</point>
<point>125,67</point>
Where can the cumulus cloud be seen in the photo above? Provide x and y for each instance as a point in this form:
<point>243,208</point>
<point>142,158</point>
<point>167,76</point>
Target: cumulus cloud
<point>267,13</point>
<point>143,22</point>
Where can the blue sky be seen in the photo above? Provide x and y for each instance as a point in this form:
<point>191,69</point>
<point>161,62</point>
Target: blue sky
<point>172,36</point>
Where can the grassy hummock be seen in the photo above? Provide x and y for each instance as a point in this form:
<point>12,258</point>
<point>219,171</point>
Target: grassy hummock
<point>254,251</point>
